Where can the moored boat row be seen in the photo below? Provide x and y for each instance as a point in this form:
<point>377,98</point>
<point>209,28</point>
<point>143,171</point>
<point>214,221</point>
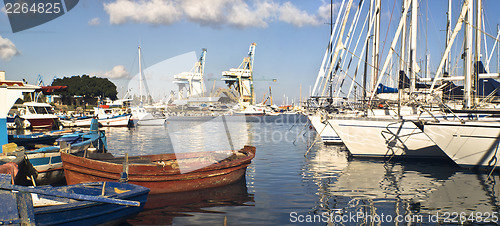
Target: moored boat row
<point>111,195</point>
<point>420,118</point>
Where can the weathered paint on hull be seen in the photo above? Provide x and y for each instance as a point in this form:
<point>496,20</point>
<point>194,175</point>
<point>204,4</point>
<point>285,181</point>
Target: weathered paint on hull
<point>158,178</point>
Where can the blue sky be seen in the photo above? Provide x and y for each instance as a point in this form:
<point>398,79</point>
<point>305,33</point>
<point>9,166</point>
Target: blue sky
<point>101,38</point>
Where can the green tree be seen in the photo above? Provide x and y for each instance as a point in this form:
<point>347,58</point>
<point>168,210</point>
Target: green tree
<point>87,87</point>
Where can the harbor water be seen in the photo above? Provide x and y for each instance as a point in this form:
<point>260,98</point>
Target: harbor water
<point>295,179</point>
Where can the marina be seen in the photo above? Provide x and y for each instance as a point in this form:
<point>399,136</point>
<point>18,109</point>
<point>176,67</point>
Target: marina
<point>398,122</point>
<point>282,181</point>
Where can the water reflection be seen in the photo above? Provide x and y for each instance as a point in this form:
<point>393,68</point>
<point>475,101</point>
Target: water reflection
<point>281,180</point>
<point>145,140</point>
<point>465,192</point>
<point>161,209</point>
<point>181,134</point>
<point>213,134</point>
<point>373,187</point>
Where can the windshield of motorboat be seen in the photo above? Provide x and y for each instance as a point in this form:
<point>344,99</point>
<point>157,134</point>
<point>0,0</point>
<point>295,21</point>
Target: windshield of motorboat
<point>32,110</point>
<point>41,110</point>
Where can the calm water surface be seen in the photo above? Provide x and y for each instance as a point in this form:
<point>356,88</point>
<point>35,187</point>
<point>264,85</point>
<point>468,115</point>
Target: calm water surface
<point>286,184</point>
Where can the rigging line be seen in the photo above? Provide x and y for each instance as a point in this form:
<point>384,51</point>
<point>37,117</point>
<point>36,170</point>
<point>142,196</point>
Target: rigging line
<point>357,43</point>
<point>361,59</point>
<point>348,38</point>
<point>370,26</point>
<point>354,25</point>
<point>354,82</point>
<point>387,73</point>
<point>393,44</point>
<point>305,126</point>
<point>352,28</point>
<point>339,42</point>
<point>387,32</point>
<point>405,62</point>
<point>493,160</point>
<point>480,30</point>
<point>319,135</point>
<point>328,54</point>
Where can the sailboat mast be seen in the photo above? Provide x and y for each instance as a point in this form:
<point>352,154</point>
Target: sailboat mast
<point>375,46</point>
<point>477,56</point>
<point>330,85</point>
<point>402,61</point>
<point>331,23</point>
<point>413,45</point>
<point>468,57</point>
<point>448,35</point>
<point>140,75</point>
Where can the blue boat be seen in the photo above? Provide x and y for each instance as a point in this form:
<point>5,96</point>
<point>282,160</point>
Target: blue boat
<point>80,204</point>
<point>30,141</point>
<point>47,160</point>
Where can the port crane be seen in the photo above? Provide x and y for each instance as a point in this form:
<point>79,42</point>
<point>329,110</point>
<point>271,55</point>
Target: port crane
<point>241,79</point>
<point>191,83</point>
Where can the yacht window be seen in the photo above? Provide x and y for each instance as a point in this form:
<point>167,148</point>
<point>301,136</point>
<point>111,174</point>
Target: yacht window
<point>42,110</point>
<point>31,109</point>
<point>49,110</point>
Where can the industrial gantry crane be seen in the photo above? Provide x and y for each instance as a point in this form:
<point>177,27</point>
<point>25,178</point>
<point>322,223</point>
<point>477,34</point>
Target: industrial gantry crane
<point>241,79</point>
<point>191,83</point>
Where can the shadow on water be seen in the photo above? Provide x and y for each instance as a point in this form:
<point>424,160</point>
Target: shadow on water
<point>426,191</point>
<point>161,209</point>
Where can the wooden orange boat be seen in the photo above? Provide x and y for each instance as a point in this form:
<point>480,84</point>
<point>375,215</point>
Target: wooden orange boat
<point>163,173</point>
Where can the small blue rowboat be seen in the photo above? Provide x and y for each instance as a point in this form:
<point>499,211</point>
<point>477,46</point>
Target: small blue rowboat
<point>47,160</point>
<point>79,204</point>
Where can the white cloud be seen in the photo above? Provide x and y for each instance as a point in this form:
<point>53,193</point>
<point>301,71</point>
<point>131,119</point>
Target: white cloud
<point>324,11</point>
<point>144,11</point>
<point>205,12</point>
<point>7,49</point>
<point>242,15</point>
<point>216,13</point>
<point>118,71</point>
<point>94,21</point>
<point>299,18</point>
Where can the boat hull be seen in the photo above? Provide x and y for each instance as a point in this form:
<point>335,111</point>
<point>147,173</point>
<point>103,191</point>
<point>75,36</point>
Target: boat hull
<point>40,123</point>
<point>378,137</point>
<point>159,178</point>
<point>92,213</point>
<point>325,131</point>
<point>115,121</point>
<point>151,122</point>
<point>469,144</point>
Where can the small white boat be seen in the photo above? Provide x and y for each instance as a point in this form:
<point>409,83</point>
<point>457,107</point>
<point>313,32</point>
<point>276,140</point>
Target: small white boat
<point>251,110</point>
<point>112,117</point>
<point>40,115</point>
<point>141,117</point>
